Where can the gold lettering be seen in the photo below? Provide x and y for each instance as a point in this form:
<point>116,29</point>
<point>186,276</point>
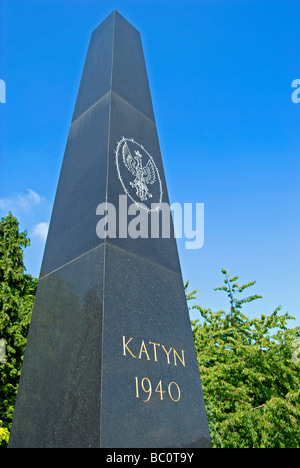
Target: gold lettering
<point>144,350</point>
<point>125,346</point>
<point>181,360</point>
<point>154,348</point>
<point>178,390</point>
<point>167,353</point>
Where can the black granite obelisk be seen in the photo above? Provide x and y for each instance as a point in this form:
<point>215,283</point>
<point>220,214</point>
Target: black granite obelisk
<point>110,359</point>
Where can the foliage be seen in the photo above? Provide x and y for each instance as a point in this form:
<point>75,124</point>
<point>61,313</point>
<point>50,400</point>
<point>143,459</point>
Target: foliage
<point>17,292</point>
<point>250,382</point>
<point>4,434</point>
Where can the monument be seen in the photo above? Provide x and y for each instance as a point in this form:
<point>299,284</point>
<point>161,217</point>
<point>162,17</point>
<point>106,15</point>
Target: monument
<point>110,359</point>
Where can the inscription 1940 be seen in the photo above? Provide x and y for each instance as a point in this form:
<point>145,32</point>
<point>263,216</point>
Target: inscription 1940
<point>155,352</point>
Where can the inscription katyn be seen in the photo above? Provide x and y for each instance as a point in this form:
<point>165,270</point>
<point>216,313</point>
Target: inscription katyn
<point>152,351</point>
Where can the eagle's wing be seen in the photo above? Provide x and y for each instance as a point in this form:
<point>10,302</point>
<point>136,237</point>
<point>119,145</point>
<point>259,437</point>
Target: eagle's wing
<point>129,161</point>
<point>149,173</point>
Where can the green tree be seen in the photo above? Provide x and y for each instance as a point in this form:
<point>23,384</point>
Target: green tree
<point>4,435</point>
<point>250,382</point>
<point>17,292</point>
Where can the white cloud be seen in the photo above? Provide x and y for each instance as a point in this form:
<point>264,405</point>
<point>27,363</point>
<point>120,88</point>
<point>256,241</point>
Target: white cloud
<point>32,198</point>
<point>41,230</point>
<point>20,201</point>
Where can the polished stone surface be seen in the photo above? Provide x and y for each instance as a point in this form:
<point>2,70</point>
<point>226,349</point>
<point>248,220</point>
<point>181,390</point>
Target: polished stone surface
<point>78,389</point>
<point>110,359</point>
<point>129,78</point>
<point>147,303</point>
<point>128,122</point>
<point>96,76</point>
<point>113,101</point>
<point>81,187</point>
<point>58,404</point>
<point>115,61</point>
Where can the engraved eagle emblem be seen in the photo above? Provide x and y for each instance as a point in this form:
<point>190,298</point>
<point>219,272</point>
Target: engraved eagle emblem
<point>144,175</point>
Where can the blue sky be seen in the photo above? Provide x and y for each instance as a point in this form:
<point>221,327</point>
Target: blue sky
<point>220,74</point>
